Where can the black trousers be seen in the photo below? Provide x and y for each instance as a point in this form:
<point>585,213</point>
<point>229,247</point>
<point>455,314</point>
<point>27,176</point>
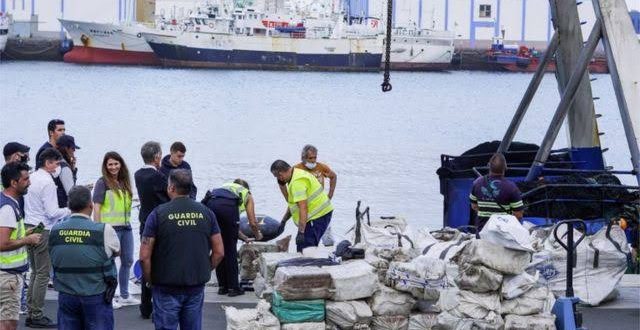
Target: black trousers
<point>146,306</point>
<point>228,217</point>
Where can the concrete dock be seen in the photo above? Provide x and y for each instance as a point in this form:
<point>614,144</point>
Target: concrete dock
<point>622,313</point>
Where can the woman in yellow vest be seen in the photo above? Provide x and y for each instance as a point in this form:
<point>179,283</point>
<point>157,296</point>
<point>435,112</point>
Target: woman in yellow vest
<point>112,205</point>
<point>308,204</point>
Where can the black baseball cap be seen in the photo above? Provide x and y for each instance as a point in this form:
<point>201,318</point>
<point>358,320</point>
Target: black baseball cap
<point>13,147</point>
<point>67,141</point>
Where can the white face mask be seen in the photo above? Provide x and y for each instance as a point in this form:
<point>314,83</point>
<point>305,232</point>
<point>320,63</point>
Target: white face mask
<point>57,172</point>
<point>310,166</point>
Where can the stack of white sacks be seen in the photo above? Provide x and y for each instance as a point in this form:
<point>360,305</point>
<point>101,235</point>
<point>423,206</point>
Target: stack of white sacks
<point>422,281</point>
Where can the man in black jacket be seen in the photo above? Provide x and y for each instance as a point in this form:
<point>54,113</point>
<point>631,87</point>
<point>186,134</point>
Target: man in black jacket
<point>175,160</point>
<point>152,191</point>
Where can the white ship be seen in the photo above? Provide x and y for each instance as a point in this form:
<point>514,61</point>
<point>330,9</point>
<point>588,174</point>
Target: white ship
<point>249,39</point>
<point>107,43</point>
<point>5,21</point>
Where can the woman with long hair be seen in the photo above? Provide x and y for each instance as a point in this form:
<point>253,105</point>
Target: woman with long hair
<point>112,205</point>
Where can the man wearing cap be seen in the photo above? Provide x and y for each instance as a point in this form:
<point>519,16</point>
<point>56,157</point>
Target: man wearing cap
<point>67,178</point>
<point>16,152</point>
<point>55,129</point>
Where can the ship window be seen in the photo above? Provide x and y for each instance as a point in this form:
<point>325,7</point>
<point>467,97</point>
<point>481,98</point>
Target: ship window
<point>485,11</point>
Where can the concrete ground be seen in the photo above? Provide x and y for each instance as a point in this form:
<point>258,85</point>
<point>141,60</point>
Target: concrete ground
<point>622,313</point>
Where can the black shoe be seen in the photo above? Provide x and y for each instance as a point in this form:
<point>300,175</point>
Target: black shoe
<point>145,312</point>
<point>235,292</point>
<point>42,323</point>
<point>222,290</point>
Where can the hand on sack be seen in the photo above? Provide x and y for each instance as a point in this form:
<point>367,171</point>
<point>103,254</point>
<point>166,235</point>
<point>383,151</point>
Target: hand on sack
<point>300,238</point>
<point>258,235</point>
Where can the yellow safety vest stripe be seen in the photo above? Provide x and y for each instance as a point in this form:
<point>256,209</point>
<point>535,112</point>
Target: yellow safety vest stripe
<point>318,203</point>
<point>18,257</point>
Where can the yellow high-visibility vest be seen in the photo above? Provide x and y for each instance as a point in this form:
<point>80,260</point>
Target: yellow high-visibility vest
<point>318,202</point>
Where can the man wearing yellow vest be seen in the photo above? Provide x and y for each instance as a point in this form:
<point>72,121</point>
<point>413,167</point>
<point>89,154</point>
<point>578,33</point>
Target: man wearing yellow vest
<point>309,205</point>
<point>13,239</point>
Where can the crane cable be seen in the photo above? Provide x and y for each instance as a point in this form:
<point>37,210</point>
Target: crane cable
<point>386,85</point>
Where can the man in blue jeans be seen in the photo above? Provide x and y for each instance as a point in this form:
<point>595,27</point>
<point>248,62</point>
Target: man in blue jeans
<point>82,253</point>
<point>181,245</point>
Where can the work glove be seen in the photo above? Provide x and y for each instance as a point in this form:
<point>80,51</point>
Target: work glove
<point>300,239</point>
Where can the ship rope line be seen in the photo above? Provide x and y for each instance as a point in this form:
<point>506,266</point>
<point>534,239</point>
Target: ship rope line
<point>386,84</point>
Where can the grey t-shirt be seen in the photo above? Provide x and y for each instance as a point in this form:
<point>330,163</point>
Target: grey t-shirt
<point>99,191</point>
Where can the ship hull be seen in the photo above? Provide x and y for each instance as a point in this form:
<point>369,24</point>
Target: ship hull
<point>90,55</point>
<point>263,53</point>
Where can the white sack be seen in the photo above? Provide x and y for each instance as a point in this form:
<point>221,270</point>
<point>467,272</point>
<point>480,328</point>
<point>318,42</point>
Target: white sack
<point>467,304</point>
<point>304,326</point>
<point>423,321</point>
<point>515,285</point>
<point>259,318</point>
<point>348,314</point>
<point>447,321</point>
<point>259,285</point>
<point>380,237</point>
<point>534,301</point>
<point>399,224</point>
<point>423,277</point>
<point>319,252</point>
<point>387,301</point>
<point>594,278</point>
<point>394,322</point>
<point>478,278</point>
<point>494,256</point>
<point>532,322</point>
<point>353,280</point>
<point>506,230</point>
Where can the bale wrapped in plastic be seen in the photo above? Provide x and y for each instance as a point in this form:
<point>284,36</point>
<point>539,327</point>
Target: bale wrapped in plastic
<point>304,326</point>
<point>423,321</point>
<point>352,280</point>
<point>494,256</point>
<point>251,318</point>
<point>600,258</point>
<point>269,227</point>
<point>390,322</point>
<point>249,253</point>
<point>467,304</point>
<point>531,322</point>
<point>348,315</point>
<point>478,278</point>
<point>259,285</point>
<point>535,301</point>
<point>447,321</point>
<point>423,277</point>
<point>302,283</point>
<point>387,301</point>
<point>298,311</point>
<point>268,263</point>
<point>506,230</point>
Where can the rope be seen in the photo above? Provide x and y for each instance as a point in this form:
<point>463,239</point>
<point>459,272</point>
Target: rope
<point>386,85</point>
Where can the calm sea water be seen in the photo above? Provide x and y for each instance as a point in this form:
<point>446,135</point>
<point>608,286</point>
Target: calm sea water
<point>385,147</point>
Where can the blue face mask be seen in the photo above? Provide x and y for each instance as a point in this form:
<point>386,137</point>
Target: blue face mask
<point>309,165</point>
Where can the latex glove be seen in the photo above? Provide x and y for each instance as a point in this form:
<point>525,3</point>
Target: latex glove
<point>300,239</point>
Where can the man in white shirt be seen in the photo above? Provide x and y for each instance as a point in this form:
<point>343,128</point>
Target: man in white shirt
<point>41,206</point>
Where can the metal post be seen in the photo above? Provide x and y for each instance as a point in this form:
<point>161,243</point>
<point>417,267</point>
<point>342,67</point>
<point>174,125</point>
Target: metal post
<point>565,101</point>
<point>528,95</point>
<point>620,50</point>
<point>570,265</point>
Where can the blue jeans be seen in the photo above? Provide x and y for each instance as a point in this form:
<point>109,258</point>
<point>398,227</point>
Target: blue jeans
<point>125,235</point>
<point>84,312</point>
<point>314,230</point>
<point>171,310</point>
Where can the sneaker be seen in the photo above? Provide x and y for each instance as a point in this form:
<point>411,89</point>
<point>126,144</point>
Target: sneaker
<point>115,304</point>
<point>235,292</point>
<point>222,290</point>
<point>23,309</point>
<point>129,301</point>
<point>42,323</point>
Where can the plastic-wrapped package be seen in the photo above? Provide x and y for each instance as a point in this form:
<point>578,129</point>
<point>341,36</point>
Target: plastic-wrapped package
<point>352,280</point>
<point>304,326</point>
<point>268,263</point>
<point>478,278</point>
<point>534,301</point>
<point>348,314</point>
<point>298,311</point>
<point>423,321</point>
<point>390,322</point>
<point>387,301</point>
<point>259,318</point>
<point>494,256</point>
<point>531,322</point>
<point>302,283</point>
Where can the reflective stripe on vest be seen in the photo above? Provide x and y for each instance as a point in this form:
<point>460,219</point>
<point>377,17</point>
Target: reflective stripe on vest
<point>318,203</point>
<point>116,209</point>
<point>18,257</point>
<point>241,192</point>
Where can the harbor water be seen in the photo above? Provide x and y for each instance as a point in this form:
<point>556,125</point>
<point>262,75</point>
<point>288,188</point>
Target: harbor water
<point>385,147</point>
